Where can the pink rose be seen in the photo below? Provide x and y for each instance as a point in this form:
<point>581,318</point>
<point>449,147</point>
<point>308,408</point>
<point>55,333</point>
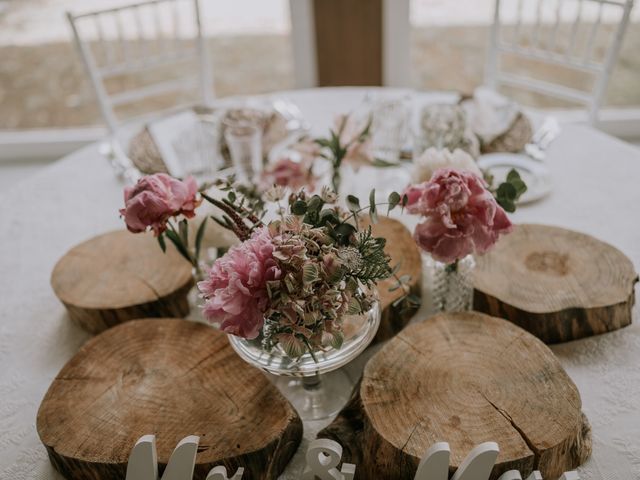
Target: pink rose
<point>236,288</point>
<point>156,198</point>
<point>461,216</point>
<point>286,172</point>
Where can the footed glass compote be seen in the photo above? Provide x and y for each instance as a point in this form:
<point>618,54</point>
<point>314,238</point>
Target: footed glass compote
<point>303,378</point>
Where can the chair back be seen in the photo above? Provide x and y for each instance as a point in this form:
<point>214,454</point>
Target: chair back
<point>154,48</point>
<point>580,37</point>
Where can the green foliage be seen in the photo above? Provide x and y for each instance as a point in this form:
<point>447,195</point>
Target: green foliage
<point>162,243</point>
<point>199,236</point>
<point>373,213</point>
<point>508,192</point>
<point>394,200</point>
<point>376,265</point>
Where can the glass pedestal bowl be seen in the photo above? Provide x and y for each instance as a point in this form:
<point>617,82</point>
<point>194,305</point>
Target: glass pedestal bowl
<point>303,379</point>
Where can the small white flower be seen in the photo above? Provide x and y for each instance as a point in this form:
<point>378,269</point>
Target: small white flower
<point>328,195</point>
<point>274,194</point>
<point>433,159</point>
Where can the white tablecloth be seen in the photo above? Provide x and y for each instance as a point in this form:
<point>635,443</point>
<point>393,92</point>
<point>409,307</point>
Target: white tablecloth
<point>595,191</point>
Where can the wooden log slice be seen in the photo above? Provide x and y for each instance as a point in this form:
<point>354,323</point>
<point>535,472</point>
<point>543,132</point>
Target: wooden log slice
<point>463,378</point>
<point>171,378</point>
<point>402,249</point>
<point>558,284</point>
<point>119,276</point>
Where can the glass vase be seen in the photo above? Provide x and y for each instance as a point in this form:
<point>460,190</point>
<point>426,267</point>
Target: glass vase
<point>313,382</point>
<point>444,126</point>
<point>450,285</point>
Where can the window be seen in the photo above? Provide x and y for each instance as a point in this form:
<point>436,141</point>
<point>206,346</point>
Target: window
<point>450,40</point>
<point>43,83</point>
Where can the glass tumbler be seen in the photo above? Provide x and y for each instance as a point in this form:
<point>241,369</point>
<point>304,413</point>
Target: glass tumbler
<point>244,140</point>
<point>390,119</point>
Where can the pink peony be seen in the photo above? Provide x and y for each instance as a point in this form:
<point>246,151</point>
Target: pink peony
<point>286,172</point>
<point>156,198</point>
<point>236,290</point>
<point>460,215</point>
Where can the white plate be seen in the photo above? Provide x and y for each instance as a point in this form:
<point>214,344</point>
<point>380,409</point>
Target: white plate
<point>534,173</point>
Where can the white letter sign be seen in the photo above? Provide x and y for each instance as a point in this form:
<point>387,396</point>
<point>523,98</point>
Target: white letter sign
<point>143,462</point>
<point>323,457</point>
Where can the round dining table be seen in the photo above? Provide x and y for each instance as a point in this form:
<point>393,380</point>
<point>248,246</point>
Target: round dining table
<point>595,190</point>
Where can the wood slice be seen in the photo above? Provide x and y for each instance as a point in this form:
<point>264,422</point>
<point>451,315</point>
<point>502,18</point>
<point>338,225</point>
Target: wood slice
<point>558,284</point>
<point>171,378</point>
<point>463,378</point>
<point>119,276</point>
<point>402,249</point>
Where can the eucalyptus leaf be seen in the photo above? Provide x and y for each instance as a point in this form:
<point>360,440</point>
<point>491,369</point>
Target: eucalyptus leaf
<point>507,191</point>
<point>353,203</point>
<point>508,204</point>
<point>373,212</point>
<point>513,175</point>
<point>397,268</point>
<point>394,199</point>
<point>520,187</point>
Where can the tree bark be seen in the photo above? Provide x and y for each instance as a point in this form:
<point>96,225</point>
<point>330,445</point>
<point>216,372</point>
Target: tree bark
<point>558,284</point>
<point>171,378</point>
<point>463,378</point>
<point>119,276</point>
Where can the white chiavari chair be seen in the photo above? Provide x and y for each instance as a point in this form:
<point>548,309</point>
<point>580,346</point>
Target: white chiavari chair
<point>581,36</point>
<point>132,46</point>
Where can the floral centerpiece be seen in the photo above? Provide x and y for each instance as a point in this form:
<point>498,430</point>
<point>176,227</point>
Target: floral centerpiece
<point>290,281</point>
<point>460,218</point>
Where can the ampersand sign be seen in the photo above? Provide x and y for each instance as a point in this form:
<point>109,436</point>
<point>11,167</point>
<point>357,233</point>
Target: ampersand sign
<point>323,457</point>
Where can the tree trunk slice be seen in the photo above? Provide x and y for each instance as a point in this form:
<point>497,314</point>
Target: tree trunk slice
<point>402,249</point>
<point>171,378</point>
<point>119,276</point>
<point>558,284</point>
<point>463,378</point>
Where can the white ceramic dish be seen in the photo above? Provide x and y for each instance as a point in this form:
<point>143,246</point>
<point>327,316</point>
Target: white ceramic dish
<point>534,173</point>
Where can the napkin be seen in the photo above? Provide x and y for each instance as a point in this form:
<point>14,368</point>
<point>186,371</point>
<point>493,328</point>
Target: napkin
<point>490,114</point>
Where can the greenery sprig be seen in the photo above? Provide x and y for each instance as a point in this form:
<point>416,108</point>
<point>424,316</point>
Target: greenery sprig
<point>509,191</point>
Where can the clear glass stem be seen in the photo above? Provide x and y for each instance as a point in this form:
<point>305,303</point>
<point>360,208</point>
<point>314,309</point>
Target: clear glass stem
<point>312,383</point>
<point>317,397</point>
